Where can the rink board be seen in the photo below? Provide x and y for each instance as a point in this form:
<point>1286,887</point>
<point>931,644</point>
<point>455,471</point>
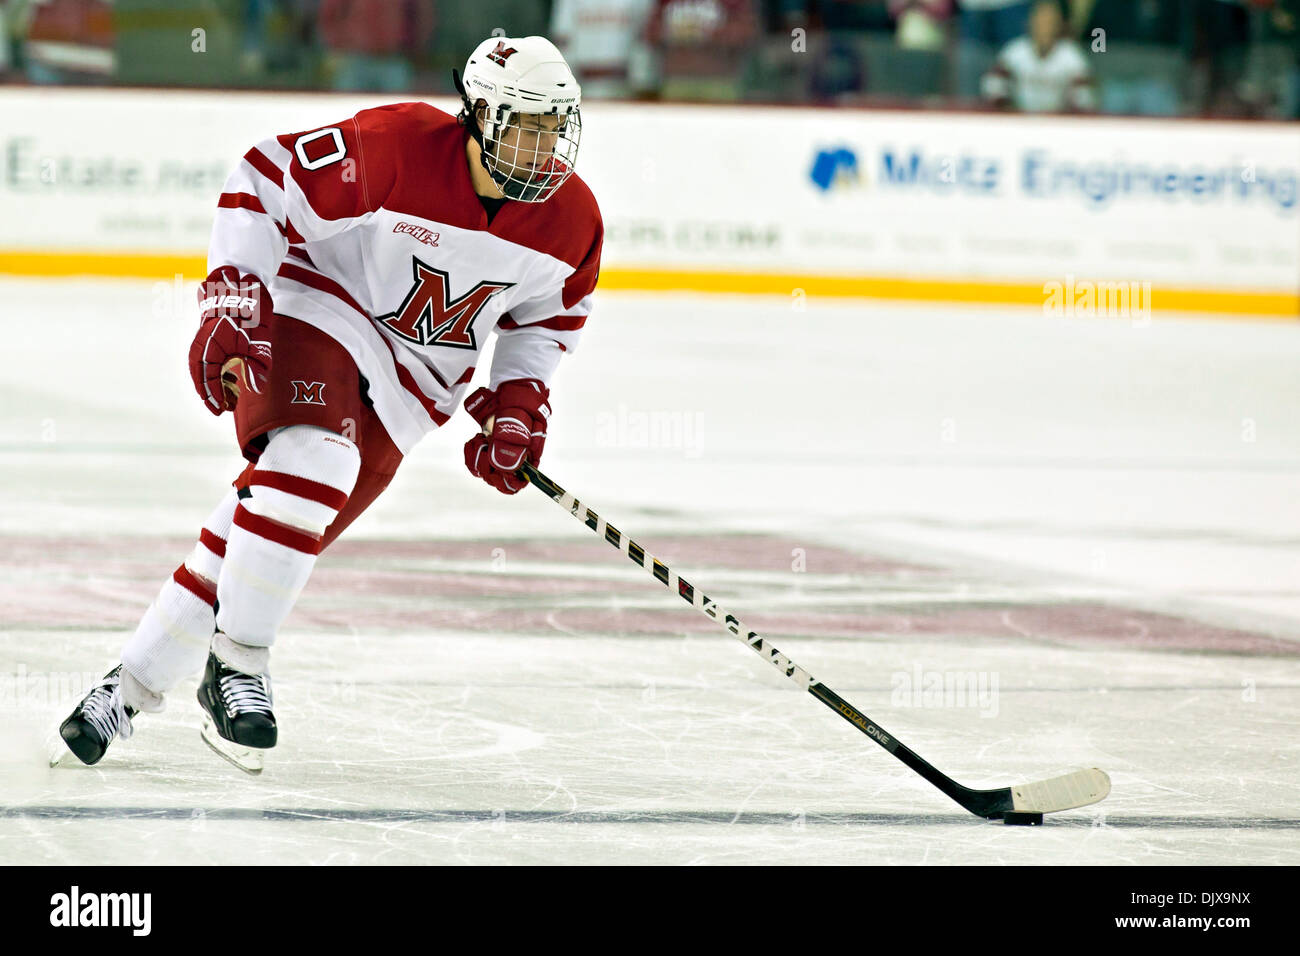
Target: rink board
<point>1106,216</point>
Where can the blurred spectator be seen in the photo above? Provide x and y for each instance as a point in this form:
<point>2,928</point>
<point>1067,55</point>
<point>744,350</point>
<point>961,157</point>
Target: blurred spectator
<point>371,42</point>
<point>4,40</point>
<point>997,22</point>
<point>1144,57</point>
<point>68,41</point>
<point>835,15</point>
<point>464,24</point>
<point>838,72</point>
<point>922,24</point>
<point>854,15</point>
<point>983,28</point>
<point>1271,85</point>
<point>256,13</point>
<point>1215,35</point>
<point>701,46</point>
<point>1284,21</point>
<point>1135,51</point>
<point>848,47</point>
<point>603,43</point>
<point>278,35</point>
<point>1043,72</point>
<point>915,65</point>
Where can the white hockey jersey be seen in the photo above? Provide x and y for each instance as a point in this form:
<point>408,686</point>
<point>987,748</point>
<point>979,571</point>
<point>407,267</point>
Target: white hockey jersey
<point>370,231</point>
<point>1053,83</point>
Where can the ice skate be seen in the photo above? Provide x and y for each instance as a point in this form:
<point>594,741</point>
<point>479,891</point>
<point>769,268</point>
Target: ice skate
<point>238,722</point>
<point>101,716</point>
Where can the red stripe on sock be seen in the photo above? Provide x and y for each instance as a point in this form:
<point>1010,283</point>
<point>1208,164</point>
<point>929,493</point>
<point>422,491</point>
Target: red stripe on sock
<point>302,487</point>
<point>214,544</point>
<point>189,582</point>
<point>274,531</point>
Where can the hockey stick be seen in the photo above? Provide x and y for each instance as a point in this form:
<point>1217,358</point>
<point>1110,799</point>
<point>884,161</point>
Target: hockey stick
<point>1077,789</point>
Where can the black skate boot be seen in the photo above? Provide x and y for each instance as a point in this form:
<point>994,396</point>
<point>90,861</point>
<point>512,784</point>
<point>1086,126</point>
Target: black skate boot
<point>239,724</point>
<point>99,718</point>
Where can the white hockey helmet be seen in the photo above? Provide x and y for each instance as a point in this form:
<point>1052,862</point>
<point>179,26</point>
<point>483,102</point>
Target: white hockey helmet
<point>523,80</point>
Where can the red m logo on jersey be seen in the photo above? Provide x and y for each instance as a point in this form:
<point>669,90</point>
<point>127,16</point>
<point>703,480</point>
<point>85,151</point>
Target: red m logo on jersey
<point>428,316</point>
<point>501,53</point>
<point>307,393</point>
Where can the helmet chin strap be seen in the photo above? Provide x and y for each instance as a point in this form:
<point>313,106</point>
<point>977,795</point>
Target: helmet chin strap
<point>474,131</point>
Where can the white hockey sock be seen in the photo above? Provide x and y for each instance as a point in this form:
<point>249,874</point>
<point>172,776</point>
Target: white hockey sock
<point>301,482</point>
<point>241,657</point>
<point>171,642</point>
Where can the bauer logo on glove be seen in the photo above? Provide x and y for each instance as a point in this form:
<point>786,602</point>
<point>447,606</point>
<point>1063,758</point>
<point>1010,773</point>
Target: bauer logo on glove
<point>224,358</point>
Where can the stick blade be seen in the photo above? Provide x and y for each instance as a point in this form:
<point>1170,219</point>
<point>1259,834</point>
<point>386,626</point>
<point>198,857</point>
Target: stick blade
<point>1072,790</point>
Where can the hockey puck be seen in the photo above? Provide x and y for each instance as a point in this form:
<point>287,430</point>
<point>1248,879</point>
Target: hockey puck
<point>1013,819</point>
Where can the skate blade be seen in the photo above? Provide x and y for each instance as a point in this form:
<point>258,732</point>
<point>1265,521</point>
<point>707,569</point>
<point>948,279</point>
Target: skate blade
<point>248,759</point>
<point>57,750</point>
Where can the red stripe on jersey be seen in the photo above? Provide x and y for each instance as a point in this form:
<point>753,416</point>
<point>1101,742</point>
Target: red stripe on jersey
<point>466,376</point>
<point>432,371</point>
<point>258,160</point>
<point>292,234</point>
<point>274,531</point>
<point>241,201</point>
<point>189,582</point>
<point>561,323</point>
<point>298,252</point>
<point>320,283</point>
<point>214,544</point>
<point>408,382</point>
<point>316,491</point>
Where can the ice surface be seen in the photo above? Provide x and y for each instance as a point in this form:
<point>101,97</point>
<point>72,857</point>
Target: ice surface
<point>1095,523</point>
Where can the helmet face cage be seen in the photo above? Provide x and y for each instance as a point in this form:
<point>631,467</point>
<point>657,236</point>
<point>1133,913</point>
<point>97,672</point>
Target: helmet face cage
<point>530,155</point>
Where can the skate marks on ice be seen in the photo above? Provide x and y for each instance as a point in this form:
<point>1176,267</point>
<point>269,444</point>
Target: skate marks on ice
<point>534,701</point>
<point>781,586</point>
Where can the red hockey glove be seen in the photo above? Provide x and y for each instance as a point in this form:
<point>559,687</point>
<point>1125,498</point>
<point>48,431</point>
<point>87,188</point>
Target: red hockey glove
<point>223,357</point>
<point>514,421</point>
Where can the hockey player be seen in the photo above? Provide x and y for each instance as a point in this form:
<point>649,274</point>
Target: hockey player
<point>356,271</point>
